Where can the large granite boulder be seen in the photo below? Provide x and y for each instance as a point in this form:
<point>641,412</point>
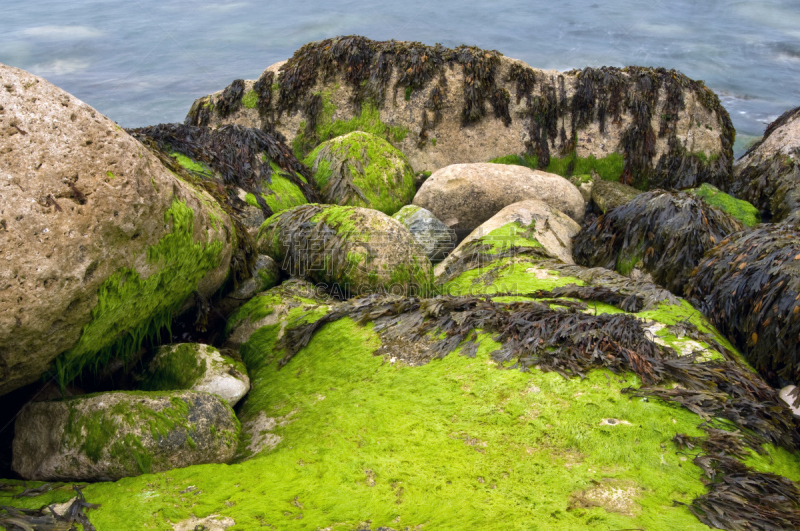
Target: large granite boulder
<point>465,195</point>
<point>526,224</point>
<point>768,175</point>
<point>436,238</point>
<point>361,169</point>
<point>99,241</point>
<point>109,436</point>
<point>196,367</point>
<point>353,250</point>
<point>663,234</point>
<point>444,106</point>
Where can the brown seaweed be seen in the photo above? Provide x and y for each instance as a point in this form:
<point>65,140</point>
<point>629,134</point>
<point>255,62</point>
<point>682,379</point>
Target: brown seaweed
<point>231,98</point>
<point>73,519</point>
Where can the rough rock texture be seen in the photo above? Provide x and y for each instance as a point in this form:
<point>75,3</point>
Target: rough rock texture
<point>361,169</point>
<point>434,236</point>
<point>608,195</point>
<point>465,195</point>
<point>114,435</point>
<point>749,287</point>
<point>265,273</point>
<point>664,234</point>
<point>354,250</point>
<point>196,367</point>
<point>445,106</point>
<point>527,223</point>
<point>98,241</point>
<point>768,175</point>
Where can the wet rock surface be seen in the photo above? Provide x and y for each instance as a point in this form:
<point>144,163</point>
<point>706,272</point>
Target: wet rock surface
<point>434,236</point>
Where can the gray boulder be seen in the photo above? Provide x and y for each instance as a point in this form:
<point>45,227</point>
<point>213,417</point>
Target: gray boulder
<point>266,274</point>
<point>434,236</point>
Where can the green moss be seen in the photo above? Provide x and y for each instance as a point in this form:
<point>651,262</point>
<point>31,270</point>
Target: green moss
<point>405,213</point>
<point>250,100</point>
<point>609,168</point>
<point>409,90</point>
<point>511,235</point>
<point>285,194</point>
<point>130,308</point>
<point>111,175</point>
<point>738,208</point>
<point>192,165</point>
<point>178,369</point>
<point>433,141</point>
<point>251,200</point>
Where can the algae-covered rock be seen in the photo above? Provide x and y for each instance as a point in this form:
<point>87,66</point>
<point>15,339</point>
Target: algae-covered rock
<point>738,208</point>
<point>664,234</point>
<point>361,169</point>
<point>100,243</point>
<point>353,250</point>
<point>465,195</point>
<point>768,175</point>
<point>265,274</point>
<point>523,225</point>
<point>749,287</point>
<point>109,436</point>
<point>196,367</point>
<point>443,106</point>
<point>434,236</point>
<point>608,195</point>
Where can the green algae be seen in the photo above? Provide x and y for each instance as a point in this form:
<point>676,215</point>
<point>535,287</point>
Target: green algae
<point>192,165</point>
<point>608,168</point>
<point>179,368</point>
<point>250,100</point>
<point>738,208</point>
<point>131,309</point>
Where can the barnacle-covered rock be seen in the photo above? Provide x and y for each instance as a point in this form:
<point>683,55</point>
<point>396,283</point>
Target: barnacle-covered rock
<point>353,250</point>
<point>114,435</point>
<point>465,195</point>
<point>196,367</point>
<point>361,169</point>
<point>443,106</point>
<point>768,175</point>
<point>664,234</point>
<point>100,243</point>
<point>434,236</point>
<point>749,287</point>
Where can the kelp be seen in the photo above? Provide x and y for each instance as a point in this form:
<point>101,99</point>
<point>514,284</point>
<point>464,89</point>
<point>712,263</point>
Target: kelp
<point>749,287</point>
<point>667,233</point>
<point>243,156</point>
<point>45,519</point>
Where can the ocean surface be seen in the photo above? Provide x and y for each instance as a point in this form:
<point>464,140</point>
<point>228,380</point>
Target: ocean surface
<point>143,62</point>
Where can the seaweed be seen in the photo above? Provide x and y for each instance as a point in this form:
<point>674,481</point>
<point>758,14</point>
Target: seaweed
<point>667,233</point>
<point>771,184</point>
<point>231,98</point>
<point>264,103</point>
<point>45,519</point>
<point>749,287</point>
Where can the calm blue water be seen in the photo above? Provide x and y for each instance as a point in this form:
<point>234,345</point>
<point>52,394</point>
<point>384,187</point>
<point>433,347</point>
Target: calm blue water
<point>142,62</point>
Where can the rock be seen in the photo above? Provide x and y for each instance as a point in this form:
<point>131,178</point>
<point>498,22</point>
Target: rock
<point>266,273</point>
<point>768,175</point>
<point>741,210</point>
<point>444,106</point>
<point>664,234</point>
<point>608,195</point>
<point>790,396</point>
<point>526,224</point>
<point>355,251</point>
<point>99,242</point>
<point>465,195</point>
<point>433,235</point>
<point>196,367</point>
<point>749,287</point>
<point>584,184</point>
<point>109,436</point>
<point>361,169</point>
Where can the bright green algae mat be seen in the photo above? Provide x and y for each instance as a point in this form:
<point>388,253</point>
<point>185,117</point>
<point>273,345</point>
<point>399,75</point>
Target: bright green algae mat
<point>455,444</point>
<point>738,208</point>
<point>609,168</point>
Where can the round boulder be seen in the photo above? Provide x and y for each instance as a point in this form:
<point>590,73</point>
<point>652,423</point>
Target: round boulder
<point>196,367</point>
<point>109,436</point>
<point>433,235</point>
<point>354,250</point>
<point>465,195</point>
<point>362,169</point>
<point>99,241</point>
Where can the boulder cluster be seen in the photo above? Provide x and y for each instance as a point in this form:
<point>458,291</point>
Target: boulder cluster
<point>394,286</point>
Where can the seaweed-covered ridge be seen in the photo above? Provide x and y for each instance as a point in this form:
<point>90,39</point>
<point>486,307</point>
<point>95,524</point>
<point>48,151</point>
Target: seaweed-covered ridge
<point>671,130</point>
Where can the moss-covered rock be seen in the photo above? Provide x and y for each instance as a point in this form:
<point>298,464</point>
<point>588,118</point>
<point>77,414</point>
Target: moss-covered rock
<point>434,236</point>
<point>741,210</point>
<point>608,195</point>
<point>663,234</point>
<point>104,243</point>
<point>114,435</point>
<point>353,250</point>
<point>196,367</point>
<point>768,175</point>
<point>361,169</point>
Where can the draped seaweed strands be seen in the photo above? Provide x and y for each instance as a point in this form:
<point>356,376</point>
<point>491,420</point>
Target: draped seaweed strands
<point>236,153</point>
<point>17,519</point>
<point>231,97</point>
<point>749,287</point>
<point>667,232</point>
